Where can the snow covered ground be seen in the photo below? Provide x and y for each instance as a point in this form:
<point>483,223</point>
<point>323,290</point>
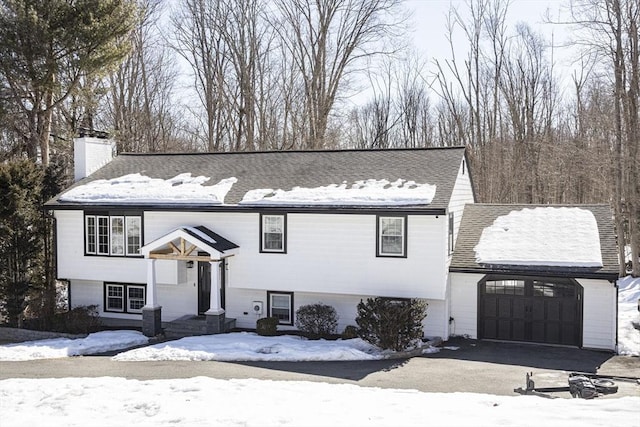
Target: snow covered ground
<point>64,347</point>
<point>200,401</point>
<point>204,401</point>
<point>628,316</point>
<point>246,346</point>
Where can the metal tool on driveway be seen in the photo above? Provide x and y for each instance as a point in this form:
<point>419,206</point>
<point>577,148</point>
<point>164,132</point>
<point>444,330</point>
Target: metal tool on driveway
<point>583,385</point>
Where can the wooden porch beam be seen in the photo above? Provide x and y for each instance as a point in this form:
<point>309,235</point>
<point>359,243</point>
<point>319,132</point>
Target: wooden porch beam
<point>182,257</point>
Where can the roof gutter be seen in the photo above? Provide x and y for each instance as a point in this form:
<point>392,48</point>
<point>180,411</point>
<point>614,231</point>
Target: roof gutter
<point>570,274</point>
<point>51,206</point>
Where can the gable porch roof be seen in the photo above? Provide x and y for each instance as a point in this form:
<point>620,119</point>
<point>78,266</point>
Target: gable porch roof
<point>173,245</point>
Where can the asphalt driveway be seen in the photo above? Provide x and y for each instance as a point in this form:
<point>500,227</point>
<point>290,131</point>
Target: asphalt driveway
<point>475,366</point>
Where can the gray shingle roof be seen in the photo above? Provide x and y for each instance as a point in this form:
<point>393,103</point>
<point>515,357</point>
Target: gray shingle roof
<point>219,243</point>
<point>478,216</point>
<point>287,169</point>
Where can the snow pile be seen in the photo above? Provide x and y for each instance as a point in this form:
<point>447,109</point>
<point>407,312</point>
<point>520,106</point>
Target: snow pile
<point>628,316</point>
<point>548,236</point>
<point>202,401</point>
<point>245,346</point>
<point>63,347</point>
<point>140,189</point>
<point>370,192</point>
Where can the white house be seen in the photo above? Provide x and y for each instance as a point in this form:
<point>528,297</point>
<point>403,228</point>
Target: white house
<point>266,231</point>
<point>233,237</point>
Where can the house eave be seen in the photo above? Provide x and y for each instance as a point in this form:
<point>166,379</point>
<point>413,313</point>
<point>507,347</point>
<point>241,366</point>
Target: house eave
<point>414,210</point>
<point>552,272</point>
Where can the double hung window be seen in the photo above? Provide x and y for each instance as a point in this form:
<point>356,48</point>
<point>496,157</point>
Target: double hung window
<point>124,297</point>
<point>281,306</point>
<point>392,236</point>
<point>273,233</point>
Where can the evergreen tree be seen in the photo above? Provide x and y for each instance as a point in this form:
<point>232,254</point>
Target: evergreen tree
<point>21,267</point>
<point>47,49</point>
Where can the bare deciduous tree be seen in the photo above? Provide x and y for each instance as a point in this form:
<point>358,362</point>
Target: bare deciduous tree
<point>327,39</point>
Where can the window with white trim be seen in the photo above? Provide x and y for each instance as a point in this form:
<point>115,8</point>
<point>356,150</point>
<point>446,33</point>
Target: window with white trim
<point>134,233</point>
<point>103,235</point>
<point>115,235</point>
<point>272,234</point>
<point>392,236</point>
<point>451,235</point>
<point>280,305</point>
<point>114,299</point>
<point>124,297</point>
<point>90,233</point>
<point>135,298</point>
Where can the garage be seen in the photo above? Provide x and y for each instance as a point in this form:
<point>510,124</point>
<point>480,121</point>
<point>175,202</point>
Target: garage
<point>535,274</point>
<point>530,309</point>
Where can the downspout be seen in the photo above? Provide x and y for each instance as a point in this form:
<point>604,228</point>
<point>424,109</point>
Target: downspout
<point>615,284</point>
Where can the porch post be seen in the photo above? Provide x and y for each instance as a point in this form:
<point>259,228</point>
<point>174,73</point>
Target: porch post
<point>215,314</point>
<point>152,300</point>
<point>151,312</point>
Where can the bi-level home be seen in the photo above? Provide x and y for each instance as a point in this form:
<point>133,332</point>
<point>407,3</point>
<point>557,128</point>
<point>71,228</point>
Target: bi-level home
<point>249,235</point>
<point>233,237</point>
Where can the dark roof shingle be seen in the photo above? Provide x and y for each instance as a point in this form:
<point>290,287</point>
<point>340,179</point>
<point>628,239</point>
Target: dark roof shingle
<point>476,217</point>
<point>288,169</point>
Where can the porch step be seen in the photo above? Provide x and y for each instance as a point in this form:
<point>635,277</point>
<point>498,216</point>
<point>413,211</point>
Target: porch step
<point>187,326</point>
<point>229,324</point>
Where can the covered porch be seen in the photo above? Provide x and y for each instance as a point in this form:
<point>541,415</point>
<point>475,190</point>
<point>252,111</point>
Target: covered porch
<point>197,245</point>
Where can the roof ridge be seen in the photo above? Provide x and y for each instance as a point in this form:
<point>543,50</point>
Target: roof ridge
<point>348,150</point>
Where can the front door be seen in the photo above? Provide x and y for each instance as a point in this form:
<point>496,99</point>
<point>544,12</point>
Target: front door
<point>204,285</point>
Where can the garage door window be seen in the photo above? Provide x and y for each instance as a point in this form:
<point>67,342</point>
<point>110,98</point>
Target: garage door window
<point>505,287</point>
<point>552,290</point>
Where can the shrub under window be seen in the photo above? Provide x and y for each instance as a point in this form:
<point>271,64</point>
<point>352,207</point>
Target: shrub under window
<point>317,320</point>
<point>391,323</point>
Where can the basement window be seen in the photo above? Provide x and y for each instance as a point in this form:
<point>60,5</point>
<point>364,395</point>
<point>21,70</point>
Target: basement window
<point>280,305</point>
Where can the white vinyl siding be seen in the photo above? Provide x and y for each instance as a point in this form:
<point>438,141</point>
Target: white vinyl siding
<point>461,195</point>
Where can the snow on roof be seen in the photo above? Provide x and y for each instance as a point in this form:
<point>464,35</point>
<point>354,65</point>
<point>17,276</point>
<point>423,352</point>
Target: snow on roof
<point>140,189</point>
<point>548,236</point>
<point>202,236</point>
<point>370,192</point>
